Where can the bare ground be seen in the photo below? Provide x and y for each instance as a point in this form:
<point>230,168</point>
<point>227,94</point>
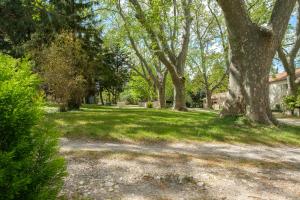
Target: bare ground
<point>180,171</point>
<point>290,121</point>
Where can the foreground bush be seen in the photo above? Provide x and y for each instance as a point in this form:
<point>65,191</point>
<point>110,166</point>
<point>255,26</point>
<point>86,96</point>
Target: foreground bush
<point>29,165</point>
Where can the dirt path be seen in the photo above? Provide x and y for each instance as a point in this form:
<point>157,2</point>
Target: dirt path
<point>181,171</point>
<point>290,121</point>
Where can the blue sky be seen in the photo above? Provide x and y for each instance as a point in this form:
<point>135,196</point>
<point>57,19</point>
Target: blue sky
<point>277,63</point>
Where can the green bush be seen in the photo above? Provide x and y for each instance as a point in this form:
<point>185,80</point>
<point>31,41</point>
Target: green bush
<point>30,167</point>
<point>63,64</point>
<point>290,102</point>
<point>149,104</point>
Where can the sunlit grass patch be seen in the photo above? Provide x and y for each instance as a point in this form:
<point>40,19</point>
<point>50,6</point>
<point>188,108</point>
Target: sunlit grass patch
<point>151,125</point>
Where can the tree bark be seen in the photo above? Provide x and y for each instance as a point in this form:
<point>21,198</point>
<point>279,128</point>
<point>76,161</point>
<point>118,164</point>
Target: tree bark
<point>208,99</point>
<point>179,95</point>
<point>249,77</point>
<point>162,96</point>
<point>109,97</point>
<point>161,85</point>
<point>252,48</point>
<point>292,85</point>
<point>288,59</point>
<point>101,97</point>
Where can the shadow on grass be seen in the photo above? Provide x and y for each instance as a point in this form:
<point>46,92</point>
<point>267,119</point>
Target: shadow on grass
<point>151,125</point>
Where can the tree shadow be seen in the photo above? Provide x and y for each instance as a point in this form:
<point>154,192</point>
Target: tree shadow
<point>151,125</point>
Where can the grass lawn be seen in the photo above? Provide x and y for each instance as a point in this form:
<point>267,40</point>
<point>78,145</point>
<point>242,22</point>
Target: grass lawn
<point>151,125</point>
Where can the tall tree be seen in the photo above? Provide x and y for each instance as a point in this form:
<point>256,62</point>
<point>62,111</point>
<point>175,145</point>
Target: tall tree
<point>209,51</point>
<point>16,25</point>
<point>63,63</point>
<point>253,47</point>
<point>152,69</point>
<point>165,33</point>
<point>114,73</point>
<point>288,57</point>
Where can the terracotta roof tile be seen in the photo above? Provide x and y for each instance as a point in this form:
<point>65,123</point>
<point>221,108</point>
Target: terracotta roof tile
<point>282,76</point>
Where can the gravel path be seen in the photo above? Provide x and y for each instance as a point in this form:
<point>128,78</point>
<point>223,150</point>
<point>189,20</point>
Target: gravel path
<point>180,171</point>
<point>290,121</point>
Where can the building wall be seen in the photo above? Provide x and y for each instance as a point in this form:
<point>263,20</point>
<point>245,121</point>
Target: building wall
<point>278,90</point>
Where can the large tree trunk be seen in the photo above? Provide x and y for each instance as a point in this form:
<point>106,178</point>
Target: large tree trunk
<point>109,97</point>
<point>292,85</point>
<point>101,97</point>
<point>161,87</point>
<point>208,99</point>
<point>162,96</point>
<point>249,78</point>
<point>179,94</point>
<point>114,96</point>
<point>252,50</point>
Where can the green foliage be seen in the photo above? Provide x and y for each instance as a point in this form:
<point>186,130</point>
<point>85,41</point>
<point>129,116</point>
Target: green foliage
<point>114,73</point>
<point>149,104</point>
<point>156,125</point>
<point>63,64</point>
<point>137,90</point>
<point>260,11</point>
<point>29,164</point>
<point>298,100</point>
<point>16,24</point>
<point>290,102</point>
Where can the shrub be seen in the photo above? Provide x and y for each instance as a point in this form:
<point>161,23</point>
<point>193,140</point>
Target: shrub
<point>63,64</point>
<point>290,102</point>
<point>277,107</point>
<point>149,104</point>
<point>298,100</point>
<point>188,104</point>
<point>29,164</point>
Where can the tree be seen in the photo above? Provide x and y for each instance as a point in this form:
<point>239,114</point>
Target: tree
<point>137,89</point>
<point>211,78</point>
<point>152,69</point>
<point>114,73</point>
<point>209,52</point>
<point>63,64</point>
<point>79,18</point>
<point>252,49</point>
<point>288,58</point>
<point>164,33</point>
<point>16,25</point>
<point>92,44</point>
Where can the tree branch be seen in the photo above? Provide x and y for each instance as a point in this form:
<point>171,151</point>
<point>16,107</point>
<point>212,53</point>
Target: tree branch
<point>143,61</point>
<point>296,46</point>
<point>158,50</point>
<point>236,16</point>
<point>280,16</point>
<point>284,59</point>
<point>186,37</point>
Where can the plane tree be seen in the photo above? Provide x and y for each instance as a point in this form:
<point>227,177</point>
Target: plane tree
<point>288,52</point>
<point>252,49</point>
<point>167,25</point>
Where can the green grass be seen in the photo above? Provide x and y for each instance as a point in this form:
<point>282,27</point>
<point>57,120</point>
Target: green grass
<point>151,125</point>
